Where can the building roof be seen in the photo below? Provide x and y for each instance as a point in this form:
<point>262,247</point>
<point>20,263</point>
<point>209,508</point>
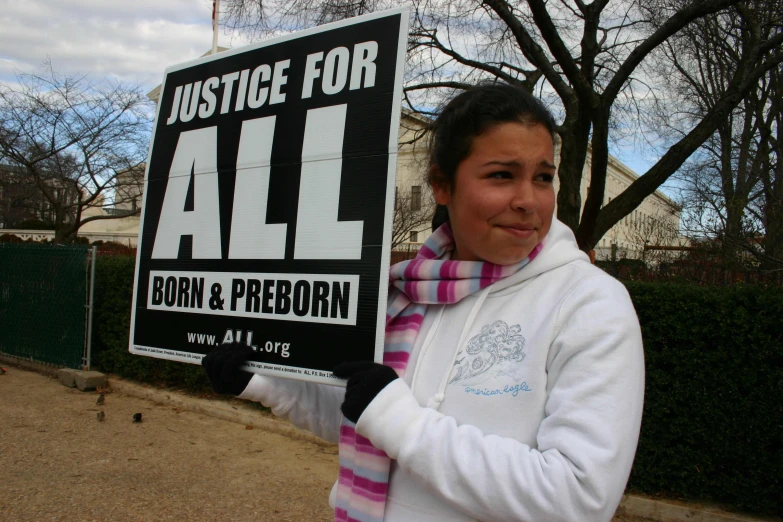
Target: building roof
<point>154,94</point>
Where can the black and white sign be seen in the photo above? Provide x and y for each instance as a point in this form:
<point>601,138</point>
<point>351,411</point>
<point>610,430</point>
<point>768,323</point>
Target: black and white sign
<point>268,201</point>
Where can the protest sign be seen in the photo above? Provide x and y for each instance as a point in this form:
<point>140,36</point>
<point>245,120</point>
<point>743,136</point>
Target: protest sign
<point>268,201</point>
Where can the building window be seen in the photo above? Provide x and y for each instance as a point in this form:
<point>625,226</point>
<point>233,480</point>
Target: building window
<point>416,197</point>
<point>396,196</point>
<point>414,236</point>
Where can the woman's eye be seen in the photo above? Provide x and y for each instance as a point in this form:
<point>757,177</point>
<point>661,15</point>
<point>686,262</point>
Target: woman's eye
<point>501,174</point>
<point>546,178</point>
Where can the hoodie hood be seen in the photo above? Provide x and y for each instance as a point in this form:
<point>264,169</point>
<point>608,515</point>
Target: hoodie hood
<point>559,249</point>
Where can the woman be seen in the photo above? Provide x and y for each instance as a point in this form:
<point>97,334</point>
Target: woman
<point>513,378</point>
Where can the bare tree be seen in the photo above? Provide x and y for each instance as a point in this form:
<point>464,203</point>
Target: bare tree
<point>20,202</point>
<point>591,61</point>
<point>724,183</point>
<point>412,213</point>
<point>723,177</point>
<point>73,139</point>
<point>771,170</point>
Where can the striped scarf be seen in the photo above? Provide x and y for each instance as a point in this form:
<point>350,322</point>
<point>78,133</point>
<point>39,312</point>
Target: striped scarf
<point>364,469</point>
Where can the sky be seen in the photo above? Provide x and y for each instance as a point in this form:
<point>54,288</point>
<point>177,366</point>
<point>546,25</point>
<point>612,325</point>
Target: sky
<point>129,40</point>
<point>132,41</point>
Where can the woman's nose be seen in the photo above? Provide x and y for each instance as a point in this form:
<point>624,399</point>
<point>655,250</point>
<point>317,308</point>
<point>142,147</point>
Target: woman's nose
<point>524,198</point>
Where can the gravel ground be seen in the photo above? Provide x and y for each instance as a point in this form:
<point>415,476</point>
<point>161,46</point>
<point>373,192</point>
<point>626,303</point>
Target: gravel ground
<point>59,462</point>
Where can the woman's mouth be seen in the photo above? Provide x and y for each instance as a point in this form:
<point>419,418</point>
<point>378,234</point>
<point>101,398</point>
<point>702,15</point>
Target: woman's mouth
<point>520,231</point>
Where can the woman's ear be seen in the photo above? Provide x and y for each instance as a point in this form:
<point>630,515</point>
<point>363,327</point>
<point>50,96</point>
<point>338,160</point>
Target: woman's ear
<point>440,189</point>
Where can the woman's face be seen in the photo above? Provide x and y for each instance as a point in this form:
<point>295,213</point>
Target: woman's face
<point>502,200</point>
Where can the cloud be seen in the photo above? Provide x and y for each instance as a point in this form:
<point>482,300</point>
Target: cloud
<point>130,41</point>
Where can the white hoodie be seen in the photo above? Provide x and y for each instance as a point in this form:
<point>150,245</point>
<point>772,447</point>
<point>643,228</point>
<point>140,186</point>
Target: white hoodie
<point>520,402</point>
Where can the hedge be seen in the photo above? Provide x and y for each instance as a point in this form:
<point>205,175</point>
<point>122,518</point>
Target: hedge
<point>111,325</point>
<point>713,416</point>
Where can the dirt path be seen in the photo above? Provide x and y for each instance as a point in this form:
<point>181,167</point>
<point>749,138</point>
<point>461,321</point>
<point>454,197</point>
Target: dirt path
<point>58,462</point>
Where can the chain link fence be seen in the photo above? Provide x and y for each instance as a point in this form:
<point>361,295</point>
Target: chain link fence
<point>43,298</point>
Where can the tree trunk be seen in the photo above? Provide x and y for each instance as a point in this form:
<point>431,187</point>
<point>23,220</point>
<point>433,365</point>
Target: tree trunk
<point>735,208</point>
<point>773,242</point>
<point>64,228</point>
<point>773,209</point>
<point>574,140</point>
<point>599,162</point>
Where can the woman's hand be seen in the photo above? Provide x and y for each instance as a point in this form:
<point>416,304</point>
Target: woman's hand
<point>366,379</point>
<point>223,367</point>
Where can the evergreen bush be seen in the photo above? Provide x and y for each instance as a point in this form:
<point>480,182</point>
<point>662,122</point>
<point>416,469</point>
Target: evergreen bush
<point>713,412</point>
<point>111,320</point>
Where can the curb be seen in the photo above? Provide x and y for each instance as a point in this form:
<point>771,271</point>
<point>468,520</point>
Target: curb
<point>50,370</point>
<point>236,410</point>
<point>667,511</point>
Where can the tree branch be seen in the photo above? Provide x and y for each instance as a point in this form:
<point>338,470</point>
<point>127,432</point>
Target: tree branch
<point>531,50</point>
<point>670,27</point>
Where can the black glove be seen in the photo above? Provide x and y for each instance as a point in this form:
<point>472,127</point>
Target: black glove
<point>366,379</point>
<point>223,368</point>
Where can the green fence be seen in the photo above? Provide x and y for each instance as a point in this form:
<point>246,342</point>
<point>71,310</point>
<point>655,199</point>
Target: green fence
<point>43,293</point>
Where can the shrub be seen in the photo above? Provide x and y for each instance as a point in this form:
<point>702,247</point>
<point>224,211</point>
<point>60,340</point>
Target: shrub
<point>713,413</point>
<point>10,238</point>
<point>624,268</point>
<point>113,248</point>
<point>77,240</point>
<point>113,298</point>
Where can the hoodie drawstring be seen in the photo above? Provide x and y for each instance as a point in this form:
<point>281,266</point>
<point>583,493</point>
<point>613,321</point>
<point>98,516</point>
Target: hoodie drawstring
<point>436,400</point>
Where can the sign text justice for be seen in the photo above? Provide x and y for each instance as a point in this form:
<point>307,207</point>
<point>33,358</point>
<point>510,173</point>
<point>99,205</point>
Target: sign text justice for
<point>196,152</point>
<point>200,98</point>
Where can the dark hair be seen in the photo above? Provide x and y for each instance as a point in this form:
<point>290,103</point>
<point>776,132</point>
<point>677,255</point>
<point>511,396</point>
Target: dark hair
<point>471,113</point>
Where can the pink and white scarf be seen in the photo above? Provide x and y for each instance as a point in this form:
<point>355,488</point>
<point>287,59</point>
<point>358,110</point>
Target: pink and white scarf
<point>364,469</point>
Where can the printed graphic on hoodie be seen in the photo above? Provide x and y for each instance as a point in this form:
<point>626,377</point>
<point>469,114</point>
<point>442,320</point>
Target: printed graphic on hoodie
<point>496,352</point>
